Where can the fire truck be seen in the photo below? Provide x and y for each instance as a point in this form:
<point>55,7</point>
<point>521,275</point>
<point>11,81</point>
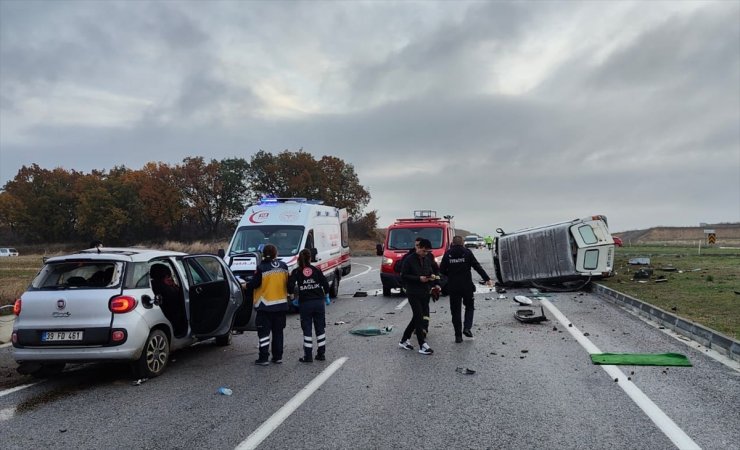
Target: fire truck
<point>399,240</point>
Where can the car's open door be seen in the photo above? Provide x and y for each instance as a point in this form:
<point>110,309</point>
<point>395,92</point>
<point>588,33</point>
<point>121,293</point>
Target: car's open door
<point>211,294</point>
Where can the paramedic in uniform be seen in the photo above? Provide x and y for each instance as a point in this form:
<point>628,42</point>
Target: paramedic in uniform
<point>456,264</point>
<point>313,289</point>
<point>270,298</point>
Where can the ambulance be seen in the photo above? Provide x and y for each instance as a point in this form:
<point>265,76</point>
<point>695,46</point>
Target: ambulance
<point>400,239</point>
<point>292,224</point>
<point>566,254</point>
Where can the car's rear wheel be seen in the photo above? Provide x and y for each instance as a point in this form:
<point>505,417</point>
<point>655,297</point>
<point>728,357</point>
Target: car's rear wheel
<point>154,357</point>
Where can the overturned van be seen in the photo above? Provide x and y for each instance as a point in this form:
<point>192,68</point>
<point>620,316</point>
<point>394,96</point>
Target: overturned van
<point>567,254</point>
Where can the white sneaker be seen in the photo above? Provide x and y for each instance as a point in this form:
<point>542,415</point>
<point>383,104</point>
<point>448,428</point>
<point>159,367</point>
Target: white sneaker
<point>406,345</point>
<point>425,349</point>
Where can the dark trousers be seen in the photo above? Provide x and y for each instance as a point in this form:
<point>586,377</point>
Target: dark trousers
<point>456,300</point>
<point>270,323</point>
<point>313,313</point>
<point>420,320</point>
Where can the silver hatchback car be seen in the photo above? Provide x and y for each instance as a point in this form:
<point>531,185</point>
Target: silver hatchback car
<point>125,304</point>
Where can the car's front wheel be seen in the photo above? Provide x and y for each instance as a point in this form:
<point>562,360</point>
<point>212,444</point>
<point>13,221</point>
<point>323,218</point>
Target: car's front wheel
<point>154,357</point>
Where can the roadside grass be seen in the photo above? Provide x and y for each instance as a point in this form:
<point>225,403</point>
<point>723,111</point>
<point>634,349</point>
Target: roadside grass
<point>700,286</point>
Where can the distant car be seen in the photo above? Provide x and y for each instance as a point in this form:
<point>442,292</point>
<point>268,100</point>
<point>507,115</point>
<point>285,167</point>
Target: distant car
<point>617,241</point>
<point>8,251</point>
<point>100,305</point>
<point>474,241</point>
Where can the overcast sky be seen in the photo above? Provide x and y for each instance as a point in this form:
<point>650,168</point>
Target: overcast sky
<point>501,114</point>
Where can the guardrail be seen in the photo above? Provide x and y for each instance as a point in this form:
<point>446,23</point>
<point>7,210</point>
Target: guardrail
<point>705,336</point>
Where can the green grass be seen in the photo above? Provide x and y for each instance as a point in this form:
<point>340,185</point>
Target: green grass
<point>702,288</point>
<point>16,273</point>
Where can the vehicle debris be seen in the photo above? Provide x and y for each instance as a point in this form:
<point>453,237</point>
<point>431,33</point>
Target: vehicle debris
<point>639,261</point>
<point>465,371</point>
<point>528,316</point>
<point>225,391</point>
<point>642,274</point>
<point>139,381</point>
<point>360,294</point>
<point>339,322</point>
<point>522,300</point>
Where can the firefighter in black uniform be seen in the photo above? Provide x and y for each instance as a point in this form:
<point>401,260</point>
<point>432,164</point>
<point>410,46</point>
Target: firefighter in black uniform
<point>313,289</point>
<point>456,264</point>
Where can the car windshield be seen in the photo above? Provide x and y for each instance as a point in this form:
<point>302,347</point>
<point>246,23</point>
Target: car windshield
<point>287,239</point>
<point>78,275</point>
<point>471,238</point>
<point>403,238</point>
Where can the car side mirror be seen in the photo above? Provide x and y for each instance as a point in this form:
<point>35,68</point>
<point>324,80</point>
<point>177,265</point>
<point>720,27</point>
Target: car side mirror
<point>314,253</point>
<point>379,249</point>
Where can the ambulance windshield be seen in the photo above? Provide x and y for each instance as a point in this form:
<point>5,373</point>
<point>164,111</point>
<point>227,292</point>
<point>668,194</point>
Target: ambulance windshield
<point>286,238</point>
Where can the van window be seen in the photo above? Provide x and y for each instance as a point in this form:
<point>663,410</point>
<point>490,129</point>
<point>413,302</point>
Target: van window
<point>345,235</point>
<point>403,238</point>
<point>587,233</point>
<point>287,239</point>
<point>591,259</point>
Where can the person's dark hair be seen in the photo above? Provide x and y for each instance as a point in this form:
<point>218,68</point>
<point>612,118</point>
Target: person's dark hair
<point>159,271</point>
<point>304,258</point>
<point>269,252</point>
<point>458,240</point>
<point>425,243</point>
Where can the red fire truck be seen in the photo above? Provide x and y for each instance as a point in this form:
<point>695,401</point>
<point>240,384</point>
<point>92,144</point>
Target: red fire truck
<point>400,239</point>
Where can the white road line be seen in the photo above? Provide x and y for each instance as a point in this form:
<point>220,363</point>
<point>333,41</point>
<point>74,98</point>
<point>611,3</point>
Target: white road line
<point>679,438</point>
<point>283,413</point>
<point>402,304</point>
<point>369,268</point>
<point>17,388</point>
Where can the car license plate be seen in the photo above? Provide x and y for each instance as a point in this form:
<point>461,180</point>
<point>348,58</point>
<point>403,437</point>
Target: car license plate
<point>54,336</point>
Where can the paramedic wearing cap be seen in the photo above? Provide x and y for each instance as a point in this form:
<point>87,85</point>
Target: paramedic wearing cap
<point>456,264</point>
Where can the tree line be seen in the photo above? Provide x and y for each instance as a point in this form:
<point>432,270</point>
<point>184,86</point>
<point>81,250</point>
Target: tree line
<point>196,199</point>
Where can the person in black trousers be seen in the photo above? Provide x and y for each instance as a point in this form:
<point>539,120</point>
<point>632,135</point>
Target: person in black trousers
<point>417,273</point>
<point>456,264</point>
<point>270,299</point>
<point>313,289</point>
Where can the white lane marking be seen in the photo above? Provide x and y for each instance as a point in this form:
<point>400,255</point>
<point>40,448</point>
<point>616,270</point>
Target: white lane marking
<point>679,438</point>
<point>17,388</point>
<point>283,413</point>
<point>7,414</point>
<point>402,304</point>
<point>369,268</point>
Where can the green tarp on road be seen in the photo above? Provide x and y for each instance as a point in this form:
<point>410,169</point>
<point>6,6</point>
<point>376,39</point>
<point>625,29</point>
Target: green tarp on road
<point>641,359</point>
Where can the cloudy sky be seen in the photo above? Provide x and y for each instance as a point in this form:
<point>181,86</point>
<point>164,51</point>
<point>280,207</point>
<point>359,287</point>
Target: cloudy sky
<point>501,114</point>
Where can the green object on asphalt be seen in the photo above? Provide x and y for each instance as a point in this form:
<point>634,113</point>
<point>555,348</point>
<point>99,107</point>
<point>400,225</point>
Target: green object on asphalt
<point>641,359</point>
<point>372,331</point>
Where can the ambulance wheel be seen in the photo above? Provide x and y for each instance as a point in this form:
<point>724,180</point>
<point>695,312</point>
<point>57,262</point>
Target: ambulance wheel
<point>386,291</point>
<point>334,288</point>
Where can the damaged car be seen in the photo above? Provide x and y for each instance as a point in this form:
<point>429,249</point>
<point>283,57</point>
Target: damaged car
<point>125,304</point>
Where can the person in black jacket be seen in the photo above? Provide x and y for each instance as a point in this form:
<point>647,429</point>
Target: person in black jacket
<point>418,275</point>
<point>313,289</point>
<point>171,297</point>
<point>456,264</point>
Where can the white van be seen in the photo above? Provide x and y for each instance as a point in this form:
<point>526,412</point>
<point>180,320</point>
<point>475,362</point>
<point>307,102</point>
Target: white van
<point>292,224</point>
<point>574,251</point>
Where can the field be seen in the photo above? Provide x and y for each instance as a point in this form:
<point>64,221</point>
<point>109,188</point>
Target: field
<point>700,287</point>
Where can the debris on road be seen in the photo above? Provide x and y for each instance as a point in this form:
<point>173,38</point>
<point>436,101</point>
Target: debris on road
<point>360,294</point>
<point>465,371</point>
<point>522,300</point>
<point>139,381</point>
<point>371,331</point>
<point>339,322</point>
<point>224,391</point>
<point>528,316</point>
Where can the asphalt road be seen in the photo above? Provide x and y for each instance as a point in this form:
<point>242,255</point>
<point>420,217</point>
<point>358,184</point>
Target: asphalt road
<point>534,387</point>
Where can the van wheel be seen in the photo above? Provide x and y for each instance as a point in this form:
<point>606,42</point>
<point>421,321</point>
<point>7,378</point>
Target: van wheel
<point>334,288</point>
<point>154,357</point>
<point>386,291</point>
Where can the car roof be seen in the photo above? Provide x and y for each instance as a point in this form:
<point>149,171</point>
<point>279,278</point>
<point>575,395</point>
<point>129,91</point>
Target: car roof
<point>133,254</point>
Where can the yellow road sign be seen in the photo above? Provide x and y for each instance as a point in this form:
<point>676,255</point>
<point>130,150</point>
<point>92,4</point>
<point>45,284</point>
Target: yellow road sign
<point>711,238</point>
